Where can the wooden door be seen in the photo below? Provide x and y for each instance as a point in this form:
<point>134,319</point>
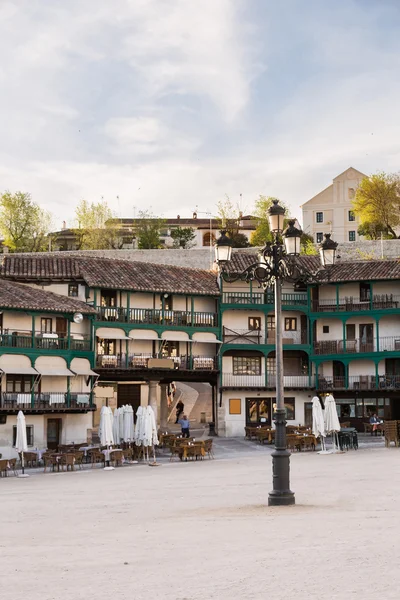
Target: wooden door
<point>129,393</point>
<point>61,327</point>
<point>303,329</point>
<point>53,433</point>
<point>308,414</point>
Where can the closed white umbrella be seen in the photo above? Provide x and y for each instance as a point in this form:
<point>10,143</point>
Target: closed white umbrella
<point>139,430</point>
<point>318,424</point>
<point>116,425</point>
<point>21,443</point>
<point>121,422</point>
<point>129,428</point>
<point>106,426</point>
<point>150,428</point>
<point>331,418</point>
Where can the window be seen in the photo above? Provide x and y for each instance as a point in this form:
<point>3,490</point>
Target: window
<point>319,237</point>
<point>170,349</point>
<point>271,366</point>
<point>352,236</point>
<point>319,217</point>
<point>46,325</point>
<point>365,291</point>
<point>290,323</point>
<point>73,290</point>
<point>29,435</point>
<point>290,406</point>
<point>108,298</point>
<point>271,322</point>
<point>19,384</point>
<point>167,298</point>
<point>258,410</point>
<point>207,237</point>
<point>106,347</point>
<point>352,216</point>
<point>247,365</point>
<point>325,328</point>
<point>255,323</point>
<point>235,406</point>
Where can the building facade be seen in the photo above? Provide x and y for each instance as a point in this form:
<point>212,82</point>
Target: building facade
<point>330,211</point>
<point>340,337</point>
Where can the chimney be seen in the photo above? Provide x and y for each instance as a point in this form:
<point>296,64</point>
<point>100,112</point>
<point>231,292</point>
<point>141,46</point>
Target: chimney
<point>178,217</point>
<point>64,225</point>
<point>195,215</point>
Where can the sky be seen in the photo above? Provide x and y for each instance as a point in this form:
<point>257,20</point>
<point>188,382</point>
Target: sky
<point>165,105</point>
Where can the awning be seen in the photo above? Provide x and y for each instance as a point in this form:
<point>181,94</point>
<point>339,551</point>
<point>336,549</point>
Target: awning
<point>143,334</point>
<point>111,333</point>
<point>84,371</point>
<point>206,337</point>
<point>16,370</point>
<point>55,371</point>
<point>175,336</point>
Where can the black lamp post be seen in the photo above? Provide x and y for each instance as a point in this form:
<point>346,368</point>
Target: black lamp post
<point>277,263</point>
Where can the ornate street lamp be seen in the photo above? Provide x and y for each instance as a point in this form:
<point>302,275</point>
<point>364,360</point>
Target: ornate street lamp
<point>278,262</point>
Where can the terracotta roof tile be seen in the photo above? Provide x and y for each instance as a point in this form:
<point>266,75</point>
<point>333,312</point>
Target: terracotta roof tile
<point>343,271</point>
<point>18,295</point>
<point>111,273</point>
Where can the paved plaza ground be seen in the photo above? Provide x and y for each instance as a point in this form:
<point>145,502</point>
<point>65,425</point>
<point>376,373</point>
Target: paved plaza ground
<point>186,531</point>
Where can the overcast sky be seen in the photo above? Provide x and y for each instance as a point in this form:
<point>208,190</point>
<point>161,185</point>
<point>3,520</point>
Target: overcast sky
<point>170,104</point>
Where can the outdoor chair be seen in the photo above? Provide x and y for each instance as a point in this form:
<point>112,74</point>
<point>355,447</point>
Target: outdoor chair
<point>30,459</point>
<point>208,449</point>
<point>3,467</point>
<point>391,433</point>
<point>68,460</point>
<point>12,466</point>
<point>128,454</point>
<point>96,457</point>
<point>79,456</point>
<point>117,457</point>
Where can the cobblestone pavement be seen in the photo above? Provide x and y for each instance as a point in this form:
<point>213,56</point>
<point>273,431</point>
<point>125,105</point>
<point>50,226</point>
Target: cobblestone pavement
<point>203,530</point>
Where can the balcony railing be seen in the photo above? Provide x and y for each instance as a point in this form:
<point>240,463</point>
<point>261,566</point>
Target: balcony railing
<point>351,304</point>
<point>37,341</point>
<point>357,346</point>
<point>243,380</point>
<point>46,400</point>
<point>140,361</point>
<point>359,382</point>
<point>149,316</point>
<point>257,336</point>
<point>288,299</point>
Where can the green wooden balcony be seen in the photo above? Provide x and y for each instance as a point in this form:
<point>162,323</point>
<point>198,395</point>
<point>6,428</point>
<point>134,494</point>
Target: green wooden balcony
<point>357,346</point>
<point>37,341</point>
<point>259,298</point>
<point>30,402</point>
<point>149,316</point>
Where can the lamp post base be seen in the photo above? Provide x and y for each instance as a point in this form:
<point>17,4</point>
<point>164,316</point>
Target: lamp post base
<point>281,494</point>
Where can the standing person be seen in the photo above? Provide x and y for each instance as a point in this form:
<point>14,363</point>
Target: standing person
<point>185,425</point>
<point>179,410</point>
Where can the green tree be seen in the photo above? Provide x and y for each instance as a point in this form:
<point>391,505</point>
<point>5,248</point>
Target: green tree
<point>377,203</point>
<point>183,237</point>
<point>262,233</point>
<point>307,246</point>
<point>148,230</point>
<point>23,224</point>
<point>98,227</point>
<point>373,231</point>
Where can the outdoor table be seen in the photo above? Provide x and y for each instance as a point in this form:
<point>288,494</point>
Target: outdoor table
<point>39,453</point>
<point>348,438</point>
<point>85,449</point>
<point>192,449</point>
<point>108,453</point>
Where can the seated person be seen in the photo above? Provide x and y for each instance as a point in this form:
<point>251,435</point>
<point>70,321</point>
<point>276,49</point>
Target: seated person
<point>374,422</point>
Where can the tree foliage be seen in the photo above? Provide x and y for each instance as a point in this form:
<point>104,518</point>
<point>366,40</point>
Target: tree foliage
<point>23,224</point>
<point>98,227</point>
<point>183,237</point>
<point>229,219</point>
<point>148,230</point>
<point>262,234</point>
<point>377,204</point>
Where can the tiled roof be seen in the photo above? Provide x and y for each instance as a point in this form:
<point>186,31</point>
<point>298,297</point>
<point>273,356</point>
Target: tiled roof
<point>18,295</point>
<point>111,273</point>
<point>343,271</point>
<point>140,276</point>
<point>32,268</point>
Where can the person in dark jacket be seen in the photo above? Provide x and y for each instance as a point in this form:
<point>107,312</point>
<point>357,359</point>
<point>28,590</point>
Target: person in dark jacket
<point>179,410</point>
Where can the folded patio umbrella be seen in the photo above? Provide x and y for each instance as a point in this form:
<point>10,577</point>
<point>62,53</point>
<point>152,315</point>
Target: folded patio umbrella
<point>106,427</point>
<point>318,424</point>
<point>21,443</point>
<point>116,425</point>
<point>129,428</point>
<point>331,419</point>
